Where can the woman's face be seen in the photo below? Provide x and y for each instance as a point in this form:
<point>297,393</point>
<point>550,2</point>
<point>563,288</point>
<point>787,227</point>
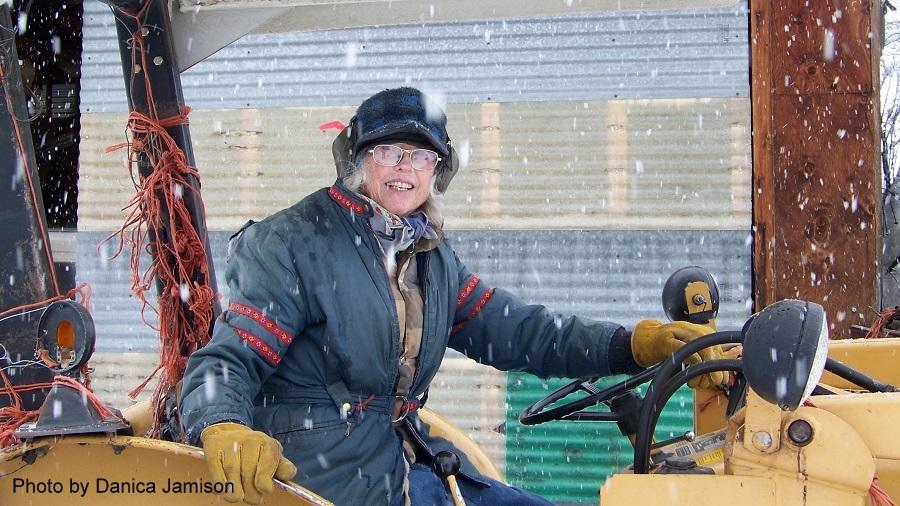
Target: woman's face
<point>399,189</point>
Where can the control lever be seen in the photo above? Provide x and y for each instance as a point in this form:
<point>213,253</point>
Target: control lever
<point>446,465</point>
<point>687,436</point>
<point>628,407</point>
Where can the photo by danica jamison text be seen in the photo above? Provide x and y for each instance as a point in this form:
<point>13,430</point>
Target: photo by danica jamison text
<point>106,486</point>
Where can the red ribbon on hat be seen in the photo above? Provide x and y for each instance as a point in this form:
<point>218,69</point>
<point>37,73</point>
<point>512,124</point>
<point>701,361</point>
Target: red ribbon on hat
<point>336,124</point>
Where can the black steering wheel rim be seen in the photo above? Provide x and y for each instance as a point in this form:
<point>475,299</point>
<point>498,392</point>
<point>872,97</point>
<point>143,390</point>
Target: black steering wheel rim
<point>535,414</point>
<point>664,381</point>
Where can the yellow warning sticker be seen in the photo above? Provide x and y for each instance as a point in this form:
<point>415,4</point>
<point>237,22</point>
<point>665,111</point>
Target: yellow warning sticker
<point>711,458</point>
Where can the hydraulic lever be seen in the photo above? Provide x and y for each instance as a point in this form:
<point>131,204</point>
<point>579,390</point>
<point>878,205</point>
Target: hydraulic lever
<point>446,465</point>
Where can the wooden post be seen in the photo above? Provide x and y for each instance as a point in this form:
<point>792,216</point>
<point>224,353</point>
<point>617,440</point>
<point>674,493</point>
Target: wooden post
<point>816,150</point>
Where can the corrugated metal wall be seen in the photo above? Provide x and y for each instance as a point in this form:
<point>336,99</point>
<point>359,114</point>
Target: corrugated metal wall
<point>600,153</point>
<point>630,54</point>
<point>661,164</point>
<point>609,275</point>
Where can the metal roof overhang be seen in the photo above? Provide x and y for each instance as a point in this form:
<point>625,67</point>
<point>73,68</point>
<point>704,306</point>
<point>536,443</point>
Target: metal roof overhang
<point>202,27</point>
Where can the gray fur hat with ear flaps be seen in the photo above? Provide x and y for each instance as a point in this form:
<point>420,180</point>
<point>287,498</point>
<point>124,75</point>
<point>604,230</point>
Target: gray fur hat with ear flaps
<point>399,114</point>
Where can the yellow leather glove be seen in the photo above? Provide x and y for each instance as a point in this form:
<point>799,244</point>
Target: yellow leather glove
<point>653,341</point>
<point>245,457</point>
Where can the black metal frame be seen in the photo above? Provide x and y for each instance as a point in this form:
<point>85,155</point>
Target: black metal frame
<point>26,268</point>
<point>165,81</point>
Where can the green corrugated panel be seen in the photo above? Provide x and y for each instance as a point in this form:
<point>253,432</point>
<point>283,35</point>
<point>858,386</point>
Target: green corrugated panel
<point>567,462</point>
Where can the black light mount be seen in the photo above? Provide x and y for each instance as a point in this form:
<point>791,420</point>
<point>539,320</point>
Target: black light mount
<point>785,349</point>
<point>68,411</point>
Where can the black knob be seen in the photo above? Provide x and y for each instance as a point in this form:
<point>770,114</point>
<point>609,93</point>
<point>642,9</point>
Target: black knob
<point>679,465</point>
<point>800,432</point>
<point>446,464</point>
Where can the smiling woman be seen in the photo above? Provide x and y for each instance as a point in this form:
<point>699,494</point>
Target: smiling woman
<point>396,151</point>
<point>342,308</point>
<point>399,188</point>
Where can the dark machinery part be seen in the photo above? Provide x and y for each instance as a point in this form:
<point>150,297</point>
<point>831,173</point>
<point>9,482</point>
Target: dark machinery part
<point>572,410</point>
<point>26,268</point>
<point>66,337</point>
<point>446,463</point>
<point>628,407</point>
<point>785,350</point>
<point>691,294</point>
<point>67,412</point>
<point>800,432</point>
<point>857,378</point>
<point>679,465</point>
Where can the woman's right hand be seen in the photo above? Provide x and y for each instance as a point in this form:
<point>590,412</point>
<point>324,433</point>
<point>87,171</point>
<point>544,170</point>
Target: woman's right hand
<point>245,458</point>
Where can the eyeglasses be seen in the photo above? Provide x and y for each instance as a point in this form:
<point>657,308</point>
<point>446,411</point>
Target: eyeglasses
<point>390,156</point>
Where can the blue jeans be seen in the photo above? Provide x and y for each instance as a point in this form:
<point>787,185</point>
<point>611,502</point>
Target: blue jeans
<point>426,489</point>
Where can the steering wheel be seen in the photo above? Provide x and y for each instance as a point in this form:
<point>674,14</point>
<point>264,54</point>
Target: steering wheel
<point>690,294</point>
<point>572,410</point>
<point>667,377</point>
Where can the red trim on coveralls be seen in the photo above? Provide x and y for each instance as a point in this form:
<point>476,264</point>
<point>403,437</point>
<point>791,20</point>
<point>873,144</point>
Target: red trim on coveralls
<point>466,290</point>
<point>264,349</point>
<point>263,321</point>
<point>342,199</point>
<point>485,297</point>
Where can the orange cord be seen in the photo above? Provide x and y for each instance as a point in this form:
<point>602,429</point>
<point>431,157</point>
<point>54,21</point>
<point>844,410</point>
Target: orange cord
<point>13,416</point>
<point>82,289</point>
<point>184,305</point>
<point>883,318</point>
<point>878,496</point>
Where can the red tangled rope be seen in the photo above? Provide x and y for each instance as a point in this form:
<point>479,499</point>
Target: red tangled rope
<point>884,317</point>
<point>186,301</point>
<point>878,496</point>
<point>13,416</point>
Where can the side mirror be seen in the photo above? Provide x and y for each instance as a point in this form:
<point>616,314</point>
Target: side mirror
<point>785,349</point>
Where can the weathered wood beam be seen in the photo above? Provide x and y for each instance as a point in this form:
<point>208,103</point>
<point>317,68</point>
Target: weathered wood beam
<point>816,150</point>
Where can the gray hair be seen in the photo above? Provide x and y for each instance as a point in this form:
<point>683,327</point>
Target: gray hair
<point>432,206</point>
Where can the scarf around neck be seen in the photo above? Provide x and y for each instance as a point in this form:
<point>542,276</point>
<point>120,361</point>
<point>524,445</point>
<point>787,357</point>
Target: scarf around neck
<point>395,233</point>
